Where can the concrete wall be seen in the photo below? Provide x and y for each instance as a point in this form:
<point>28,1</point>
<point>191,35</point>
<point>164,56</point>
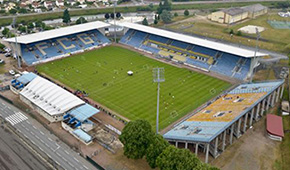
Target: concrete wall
<point>236,18</point>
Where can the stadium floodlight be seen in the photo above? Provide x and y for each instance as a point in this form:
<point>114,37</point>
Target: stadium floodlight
<point>255,56</point>
<point>158,77</point>
<point>115,4</point>
<point>16,46</point>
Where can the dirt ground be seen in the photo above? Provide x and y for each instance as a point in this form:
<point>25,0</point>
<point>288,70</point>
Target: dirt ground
<point>253,150</point>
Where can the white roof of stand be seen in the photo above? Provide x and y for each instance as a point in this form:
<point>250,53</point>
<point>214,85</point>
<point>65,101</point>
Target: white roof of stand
<point>50,97</point>
<point>194,40</point>
<point>40,36</point>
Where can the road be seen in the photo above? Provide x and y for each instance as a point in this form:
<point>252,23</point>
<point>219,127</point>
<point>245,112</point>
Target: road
<point>46,142</point>
<point>142,4</point>
<point>14,154</point>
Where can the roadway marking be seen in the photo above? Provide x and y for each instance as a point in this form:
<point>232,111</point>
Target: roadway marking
<point>66,152</point>
<point>76,159</point>
<point>16,118</point>
<point>49,139</point>
<point>41,132</point>
<point>86,167</point>
<point>34,127</point>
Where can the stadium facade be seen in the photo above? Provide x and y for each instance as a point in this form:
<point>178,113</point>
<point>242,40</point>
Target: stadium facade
<point>214,126</point>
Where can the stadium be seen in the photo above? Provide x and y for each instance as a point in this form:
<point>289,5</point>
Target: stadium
<point>204,103</point>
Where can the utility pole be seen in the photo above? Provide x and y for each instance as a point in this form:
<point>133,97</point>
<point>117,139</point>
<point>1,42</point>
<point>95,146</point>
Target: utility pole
<point>158,77</point>
<point>255,55</point>
<point>16,45</point>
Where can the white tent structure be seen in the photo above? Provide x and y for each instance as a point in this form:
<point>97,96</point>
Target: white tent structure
<point>50,100</point>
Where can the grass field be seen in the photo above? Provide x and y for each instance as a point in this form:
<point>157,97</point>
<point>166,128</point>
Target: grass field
<point>103,74</point>
<point>274,38</point>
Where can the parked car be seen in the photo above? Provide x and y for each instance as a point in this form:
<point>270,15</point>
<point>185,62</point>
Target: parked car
<point>1,61</point>
<point>12,72</point>
<point>7,54</point>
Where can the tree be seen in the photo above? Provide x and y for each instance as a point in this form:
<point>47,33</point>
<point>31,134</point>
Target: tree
<point>112,15</point>
<point>107,15</point>
<point>22,10</point>
<point>186,12</point>
<point>145,22</point>
<point>30,25</point>
<point>239,33</point>
<point>155,149</point>
<point>66,17</point>
<point>175,14</point>
<point>155,21</point>
<point>164,5</point>
<point>13,11</point>
<point>40,24</point>
<point>118,15</point>
<point>136,137</point>
<point>166,16</point>
<point>174,158</point>
<point>81,20</point>
<point>5,31</point>
<point>22,28</point>
<point>151,5</point>
<point>231,31</point>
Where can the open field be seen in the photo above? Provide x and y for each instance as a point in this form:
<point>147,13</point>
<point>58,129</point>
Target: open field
<point>274,39</point>
<point>103,74</point>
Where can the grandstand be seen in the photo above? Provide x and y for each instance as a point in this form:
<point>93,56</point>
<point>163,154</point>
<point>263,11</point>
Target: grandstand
<point>49,45</point>
<point>213,127</point>
<point>195,52</point>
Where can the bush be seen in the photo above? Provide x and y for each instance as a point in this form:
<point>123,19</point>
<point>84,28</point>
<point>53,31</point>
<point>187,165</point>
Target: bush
<point>239,33</point>
<point>175,14</point>
<point>186,12</point>
<point>2,46</point>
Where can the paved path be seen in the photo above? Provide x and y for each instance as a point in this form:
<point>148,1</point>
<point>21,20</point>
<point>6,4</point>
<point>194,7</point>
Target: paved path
<point>39,136</point>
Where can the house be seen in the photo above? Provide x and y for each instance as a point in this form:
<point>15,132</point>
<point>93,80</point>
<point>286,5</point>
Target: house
<point>49,5</point>
<point>35,5</point>
<point>9,6</point>
<point>59,3</point>
<point>81,1</point>
<point>233,15</point>
<point>71,2</point>
<point>255,10</point>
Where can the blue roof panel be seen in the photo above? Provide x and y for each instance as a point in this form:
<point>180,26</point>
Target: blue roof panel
<point>26,78</point>
<point>83,112</point>
<point>82,135</point>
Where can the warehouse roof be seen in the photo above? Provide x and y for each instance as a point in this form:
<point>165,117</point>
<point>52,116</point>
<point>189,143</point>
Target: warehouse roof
<point>254,8</point>
<point>194,40</point>
<point>83,112</point>
<point>45,35</point>
<point>50,97</point>
<point>233,11</point>
<point>275,125</point>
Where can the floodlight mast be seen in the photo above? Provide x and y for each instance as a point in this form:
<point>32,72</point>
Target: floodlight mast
<point>158,77</point>
<point>115,4</point>
<point>16,46</point>
<point>255,55</point>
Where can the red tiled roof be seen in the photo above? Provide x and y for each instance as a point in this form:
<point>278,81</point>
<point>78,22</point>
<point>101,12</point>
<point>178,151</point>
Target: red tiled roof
<point>275,125</point>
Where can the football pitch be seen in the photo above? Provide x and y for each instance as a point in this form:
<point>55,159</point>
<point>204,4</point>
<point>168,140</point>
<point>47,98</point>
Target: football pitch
<point>103,75</point>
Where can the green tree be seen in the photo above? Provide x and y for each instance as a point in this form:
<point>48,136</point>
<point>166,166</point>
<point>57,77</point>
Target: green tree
<point>22,28</point>
<point>166,16</point>
<point>107,15</point>
<point>155,21</point>
<point>81,20</point>
<point>30,25</point>
<point>174,159</point>
<point>5,31</point>
<point>66,17</point>
<point>239,33</point>
<point>13,11</point>
<point>186,12</point>
<point>175,14</point>
<point>22,10</point>
<point>155,149</point>
<point>167,5</point>
<point>136,137</point>
<point>145,22</point>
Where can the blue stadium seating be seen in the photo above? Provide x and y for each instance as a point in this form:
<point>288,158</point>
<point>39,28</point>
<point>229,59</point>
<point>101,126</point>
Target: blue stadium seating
<point>53,48</point>
<point>226,64</point>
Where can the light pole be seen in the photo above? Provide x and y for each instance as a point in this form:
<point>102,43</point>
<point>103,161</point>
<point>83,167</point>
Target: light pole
<point>255,54</point>
<point>16,45</point>
<point>158,77</point>
<point>115,4</point>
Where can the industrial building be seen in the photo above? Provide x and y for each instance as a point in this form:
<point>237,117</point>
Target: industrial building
<point>236,14</point>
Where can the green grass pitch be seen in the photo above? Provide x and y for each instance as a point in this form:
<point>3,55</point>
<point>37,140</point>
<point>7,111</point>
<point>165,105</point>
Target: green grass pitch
<point>103,75</point>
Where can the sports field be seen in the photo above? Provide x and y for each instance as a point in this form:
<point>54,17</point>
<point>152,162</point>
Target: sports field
<point>103,75</point>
